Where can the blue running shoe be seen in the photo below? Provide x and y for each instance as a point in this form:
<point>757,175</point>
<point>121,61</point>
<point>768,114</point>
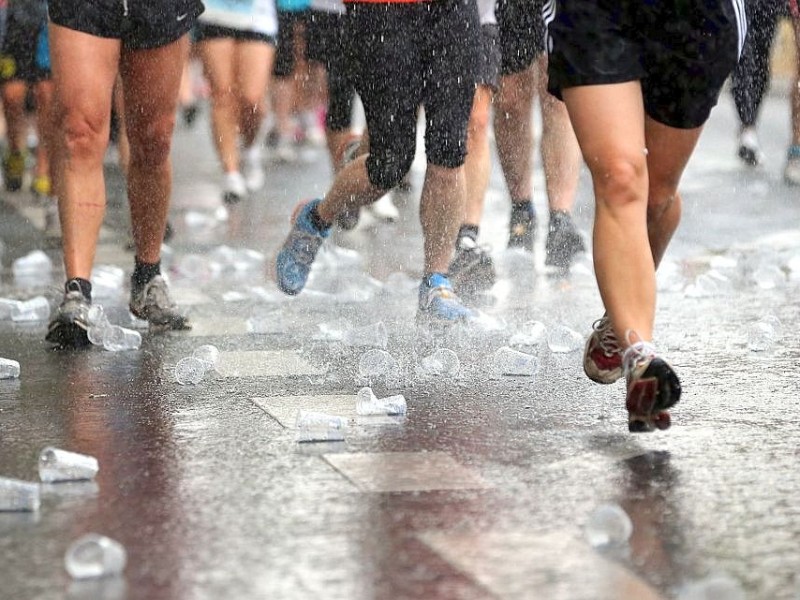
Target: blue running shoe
<point>438,302</point>
<point>299,250</point>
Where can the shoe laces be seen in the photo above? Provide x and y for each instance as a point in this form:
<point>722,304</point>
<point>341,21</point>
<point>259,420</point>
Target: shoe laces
<point>606,337</point>
<point>636,353</point>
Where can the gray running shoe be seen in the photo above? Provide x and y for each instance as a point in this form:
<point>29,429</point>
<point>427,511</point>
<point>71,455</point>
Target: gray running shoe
<point>563,241</point>
<point>68,327</point>
<point>153,303</point>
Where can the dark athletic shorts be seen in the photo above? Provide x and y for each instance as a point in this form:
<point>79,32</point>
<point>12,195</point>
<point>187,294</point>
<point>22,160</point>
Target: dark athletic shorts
<point>681,50</point>
<point>19,57</point>
<point>409,54</point>
<point>206,31</point>
<point>147,23</point>
<point>326,44</point>
<point>522,33</point>
<point>489,58</point>
<point>284,52</point>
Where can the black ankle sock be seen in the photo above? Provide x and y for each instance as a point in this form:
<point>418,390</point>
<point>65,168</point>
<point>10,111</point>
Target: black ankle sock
<point>522,212</point>
<point>318,222</point>
<point>78,284</point>
<point>470,231</point>
<point>143,272</point>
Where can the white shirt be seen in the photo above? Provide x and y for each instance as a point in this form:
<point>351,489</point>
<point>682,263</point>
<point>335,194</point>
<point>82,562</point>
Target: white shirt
<point>247,15</point>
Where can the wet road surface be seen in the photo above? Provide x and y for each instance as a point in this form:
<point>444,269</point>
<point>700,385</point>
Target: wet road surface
<point>483,488</point>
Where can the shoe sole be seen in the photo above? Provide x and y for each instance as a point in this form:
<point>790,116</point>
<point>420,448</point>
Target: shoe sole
<point>176,323</point>
<point>650,395</point>
<point>68,335</point>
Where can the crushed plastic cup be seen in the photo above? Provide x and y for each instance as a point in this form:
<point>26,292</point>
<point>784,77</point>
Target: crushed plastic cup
<point>190,371</point>
<point>93,556</point>
<point>442,362</point>
<point>319,427</point>
<point>763,334</point>
<point>608,525</point>
<point>718,586</point>
<point>208,354</point>
<point>56,465</point>
<point>532,334</point>
<point>18,496</point>
<point>33,263</point>
<point>374,335</point>
<point>7,307</point>
<point>508,361</point>
<point>367,404</point>
<point>561,339</point>
<point>9,369</point>
<point>119,339</point>
<point>35,309</point>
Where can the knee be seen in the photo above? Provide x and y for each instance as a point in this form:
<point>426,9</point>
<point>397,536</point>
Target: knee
<point>387,169</point>
<point>478,125</point>
<point>84,136</point>
<point>620,181</point>
<point>150,143</point>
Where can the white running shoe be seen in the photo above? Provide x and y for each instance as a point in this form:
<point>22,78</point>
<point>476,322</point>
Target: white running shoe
<point>384,209</point>
<point>285,150</point>
<point>749,148</point>
<point>253,169</point>
<point>234,188</point>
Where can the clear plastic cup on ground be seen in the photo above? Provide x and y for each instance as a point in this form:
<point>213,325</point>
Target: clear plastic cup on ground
<point>508,361</point>
<point>608,525</point>
<point>9,369</point>
<point>442,362</point>
<point>57,465</point>
<point>208,354</point>
<point>367,404</point>
<point>18,496</point>
<point>190,371</point>
<point>119,339</point>
<point>35,309</point>
<point>94,556</point>
<point>319,427</point>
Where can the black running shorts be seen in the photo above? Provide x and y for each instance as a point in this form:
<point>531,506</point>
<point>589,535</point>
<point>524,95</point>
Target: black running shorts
<point>522,33</point>
<point>284,52</point>
<point>19,57</point>
<point>207,31</point>
<point>139,24</point>
<point>325,44</point>
<point>681,50</point>
<point>488,71</point>
<point>409,54</point>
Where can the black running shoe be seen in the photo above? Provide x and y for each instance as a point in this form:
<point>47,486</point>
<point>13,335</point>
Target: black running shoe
<point>471,269</point>
<point>522,230</point>
<point>563,241</point>
<point>152,302</point>
<point>68,327</point>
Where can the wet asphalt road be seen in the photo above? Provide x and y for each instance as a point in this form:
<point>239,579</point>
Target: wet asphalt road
<point>482,490</point>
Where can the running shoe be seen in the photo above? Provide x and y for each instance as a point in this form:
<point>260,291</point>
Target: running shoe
<point>749,148</point>
<point>653,387</point>
<point>563,241</point>
<point>384,209</point>
<point>41,186</point>
<point>298,252</point>
<point>13,170</point>
<point>522,230</point>
<point>602,356</point>
<point>69,326</point>
<point>152,302</point>
<point>253,168</point>
<point>234,188</point>
<point>439,303</point>
<point>472,269</point>
<point>285,151</point>
<point>791,174</point>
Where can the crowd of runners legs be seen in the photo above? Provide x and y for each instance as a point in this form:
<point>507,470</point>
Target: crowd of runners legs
<point>617,92</point>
